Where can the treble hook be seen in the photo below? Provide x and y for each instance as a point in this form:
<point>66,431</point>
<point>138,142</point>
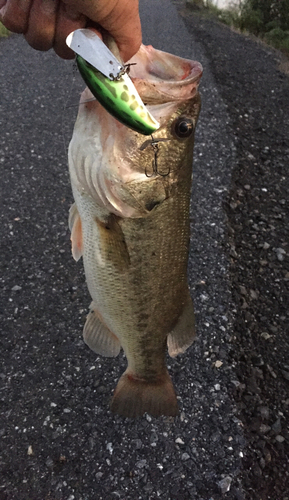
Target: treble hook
<point>154,143</point>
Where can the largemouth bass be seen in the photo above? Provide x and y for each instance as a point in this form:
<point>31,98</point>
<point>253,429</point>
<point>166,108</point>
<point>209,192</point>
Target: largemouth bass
<point>130,223</point>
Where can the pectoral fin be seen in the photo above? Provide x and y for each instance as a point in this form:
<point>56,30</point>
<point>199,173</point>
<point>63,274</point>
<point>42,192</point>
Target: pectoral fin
<point>75,227</point>
<point>112,243</point>
<point>183,335</point>
<point>98,337</point>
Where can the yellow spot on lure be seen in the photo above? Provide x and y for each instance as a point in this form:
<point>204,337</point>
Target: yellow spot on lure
<point>109,82</point>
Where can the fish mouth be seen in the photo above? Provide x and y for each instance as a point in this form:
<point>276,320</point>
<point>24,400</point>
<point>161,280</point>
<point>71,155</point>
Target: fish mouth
<point>160,77</point>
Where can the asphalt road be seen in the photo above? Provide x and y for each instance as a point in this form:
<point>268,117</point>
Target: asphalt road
<point>58,439</point>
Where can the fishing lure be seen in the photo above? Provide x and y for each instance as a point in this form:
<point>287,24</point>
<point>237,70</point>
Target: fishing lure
<point>109,82</point>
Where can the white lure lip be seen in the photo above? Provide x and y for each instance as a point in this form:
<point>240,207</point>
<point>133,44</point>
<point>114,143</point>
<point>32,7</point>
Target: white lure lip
<point>87,44</point>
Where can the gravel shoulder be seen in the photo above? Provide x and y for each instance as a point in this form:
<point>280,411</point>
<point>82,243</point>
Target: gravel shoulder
<point>256,94</point>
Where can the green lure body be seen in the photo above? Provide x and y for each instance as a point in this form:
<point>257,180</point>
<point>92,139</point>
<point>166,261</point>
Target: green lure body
<point>119,97</point>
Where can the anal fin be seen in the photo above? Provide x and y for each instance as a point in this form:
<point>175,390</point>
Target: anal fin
<point>133,396</point>
<point>98,337</point>
<point>183,334</point>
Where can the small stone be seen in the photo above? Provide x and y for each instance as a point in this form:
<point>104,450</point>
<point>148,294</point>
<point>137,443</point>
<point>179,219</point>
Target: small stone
<point>253,294</point>
<point>225,484</point>
<point>179,441</point>
<point>264,412</point>
<point>257,360</point>
<point>16,288</point>
<point>141,464</point>
<point>217,387</point>
<point>137,444</point>
<point>185,456</point>
<point>109,448</point>
<point>247,187</point>
<point>280,439</point>
<point>266,246</point>
<point>49,462</point>
<point>99,475</point>
<point>285,374</point>
<point>271,371</point>
<point>148,487</point>
<point>257,471</point>
<point>218,363</point>
<point>264,428</point>
<point>183,417</point>
<point>266,335</point>
<point>276,427</point>
<point>281,250</point>
<point>30,450</point>
<point>280,254</point>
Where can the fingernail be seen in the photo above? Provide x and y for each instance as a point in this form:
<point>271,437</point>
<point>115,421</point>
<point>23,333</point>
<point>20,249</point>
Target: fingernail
<point>3,7</point>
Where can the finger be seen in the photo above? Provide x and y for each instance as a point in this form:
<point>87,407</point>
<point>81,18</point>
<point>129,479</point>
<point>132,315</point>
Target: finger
<point>41,24</point>
<point>67,21</point>
<point>123,23</point>
<point>119,17</point>
<point>14,14</point>
<point>125,28</point>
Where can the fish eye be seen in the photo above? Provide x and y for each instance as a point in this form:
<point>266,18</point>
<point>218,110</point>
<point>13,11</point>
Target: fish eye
<point>183,127</point>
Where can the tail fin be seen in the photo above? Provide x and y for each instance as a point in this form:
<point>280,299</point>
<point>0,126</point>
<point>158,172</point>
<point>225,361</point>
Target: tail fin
<point>133,397</point>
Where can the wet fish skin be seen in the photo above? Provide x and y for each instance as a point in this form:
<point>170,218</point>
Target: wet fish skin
<point>132,228</point>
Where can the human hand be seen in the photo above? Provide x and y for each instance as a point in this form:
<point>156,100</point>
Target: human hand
<point>46,23</point>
